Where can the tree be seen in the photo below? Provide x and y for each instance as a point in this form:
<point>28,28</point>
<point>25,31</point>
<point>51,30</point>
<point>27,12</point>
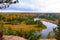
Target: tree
<point>39,23</point>
<point>30,22</point>
<point>1,32</point>
<point>1,29</point>
<point>57,32</point>
<point>49,35</point>
<point>8,1</point>
<point>47,17</point>
<point>16,1</point>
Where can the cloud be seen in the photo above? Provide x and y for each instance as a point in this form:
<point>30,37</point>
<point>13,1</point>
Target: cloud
<point>43,5</point>
<point>36,5</point>
<point>50,5</point>
<point>25,5</point>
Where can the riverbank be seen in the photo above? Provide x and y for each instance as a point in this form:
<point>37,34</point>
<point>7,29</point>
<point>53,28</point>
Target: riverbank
<point>51,21</point>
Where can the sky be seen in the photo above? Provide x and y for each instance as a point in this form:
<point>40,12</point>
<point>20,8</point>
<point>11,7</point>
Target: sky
<point>34,6</point>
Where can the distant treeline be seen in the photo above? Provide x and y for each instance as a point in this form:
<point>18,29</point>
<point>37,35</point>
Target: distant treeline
<point>49,16</point>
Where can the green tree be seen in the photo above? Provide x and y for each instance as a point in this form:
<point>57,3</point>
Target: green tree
<point>47,17</point>
<point>39,23</point>
<point>9,31</point>
<point>1,28</point>
<point>20,33</point>
<point>1,31</point>
<point>33,35</point>
<point>57,32</point>
<point>30,22</point>
<point>49,35</point>
<point>8,1</point>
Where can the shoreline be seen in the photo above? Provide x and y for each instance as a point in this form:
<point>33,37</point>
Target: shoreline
<point>54,22</point>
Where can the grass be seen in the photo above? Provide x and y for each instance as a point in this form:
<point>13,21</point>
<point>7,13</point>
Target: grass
<point>23,26</point>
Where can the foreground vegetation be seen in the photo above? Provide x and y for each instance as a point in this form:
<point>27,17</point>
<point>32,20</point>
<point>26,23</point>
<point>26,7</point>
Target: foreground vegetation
<point>30,35</point>
<point>57,31</point>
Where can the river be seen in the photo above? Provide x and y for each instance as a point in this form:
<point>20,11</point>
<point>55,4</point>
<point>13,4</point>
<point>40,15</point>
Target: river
<point>49,28</point>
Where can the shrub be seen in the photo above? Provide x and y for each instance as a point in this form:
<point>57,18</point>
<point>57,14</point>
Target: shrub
<point>14,32</point>
<point>47,17</point>
<point>1,31</point>
<point>42,16</point>
<point>9,31</point>
<point>57,31</point>
<point>30,22</point>
<point>49,35</point>
<point>20,33</point>
<point>33,35</point>
<point>14,22</point>
<point>39,23</point>
<point>20,19</point>
<point>30,35</point>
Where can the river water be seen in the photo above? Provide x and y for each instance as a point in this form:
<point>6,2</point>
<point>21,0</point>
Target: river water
<point>46,31</point>
<point>49,28</point>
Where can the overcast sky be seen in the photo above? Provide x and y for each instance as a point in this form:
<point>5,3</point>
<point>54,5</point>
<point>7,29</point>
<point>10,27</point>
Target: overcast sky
<point>36,6</point>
